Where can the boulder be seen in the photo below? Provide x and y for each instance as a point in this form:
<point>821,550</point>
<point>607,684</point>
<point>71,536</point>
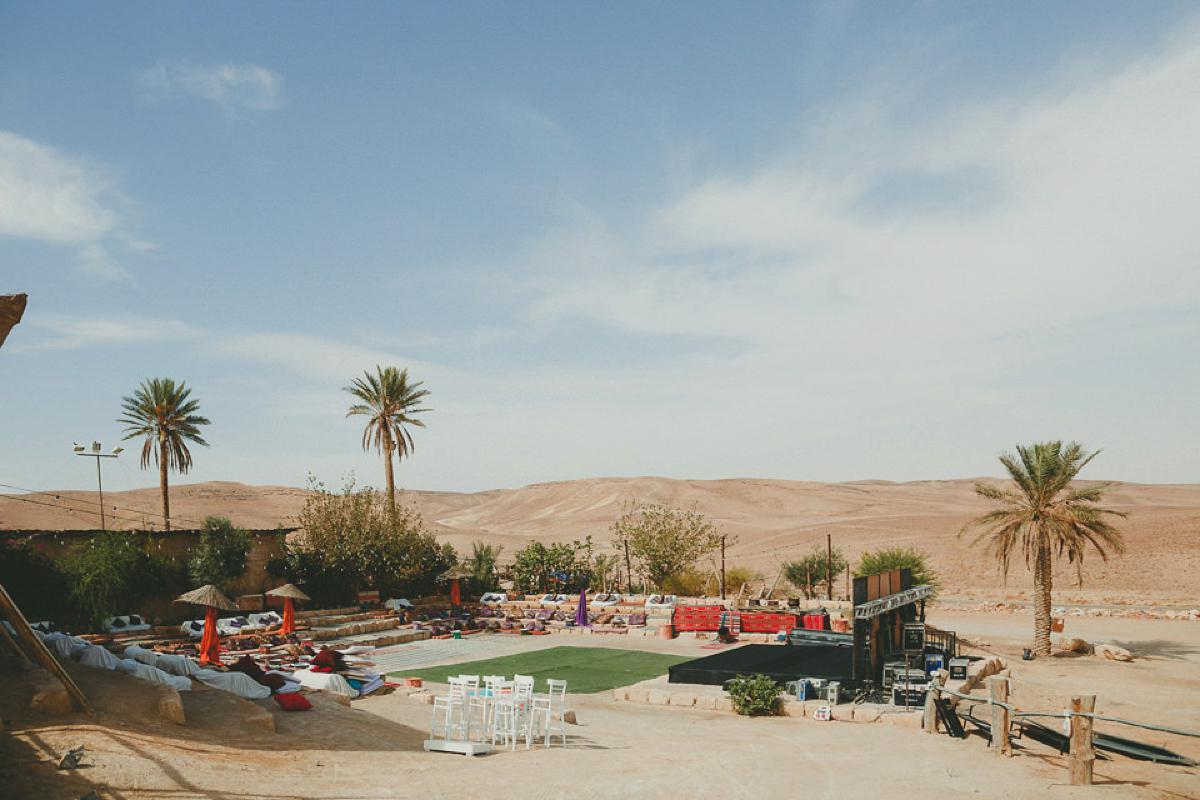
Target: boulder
<point>51,698</point>
<point>1073,644</point>
<point>170,706</point>
<point>1113,653</point>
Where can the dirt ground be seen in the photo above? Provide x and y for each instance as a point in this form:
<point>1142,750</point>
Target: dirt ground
<point>619,749</point>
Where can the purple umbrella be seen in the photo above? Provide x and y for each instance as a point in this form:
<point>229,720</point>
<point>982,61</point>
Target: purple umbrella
<point>581,617</point>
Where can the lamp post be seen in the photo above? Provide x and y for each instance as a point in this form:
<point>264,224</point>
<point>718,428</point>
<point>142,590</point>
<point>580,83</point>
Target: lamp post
<point>81,450</point>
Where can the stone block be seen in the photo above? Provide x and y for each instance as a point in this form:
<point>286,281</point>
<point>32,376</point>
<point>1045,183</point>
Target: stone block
<point>724,704</point>
<point>639,695</point>
<point>621,693</point>
<point>570,718</point>
<point>706,703</point>
<point>683,700</point>
<point>903,719</point>
<point>794,708</point>
<point>658,697</point>
<point>1113,653</point>
<point>867,714</point>
<point>170,707</point>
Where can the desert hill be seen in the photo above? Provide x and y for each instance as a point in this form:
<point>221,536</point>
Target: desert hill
<point>772,521</point>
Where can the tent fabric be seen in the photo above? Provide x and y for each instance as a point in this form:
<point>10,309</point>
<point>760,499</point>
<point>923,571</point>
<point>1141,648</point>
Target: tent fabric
<point>236,682</point>
<point>156,675</point>
<point>97,656</point>
<point>328,681</point>
<point>177,665</point>
<point>63,645</point>
<point>128,666</point>
<point>139,653</point>
<point>210,643</point>
<point>289,616</point>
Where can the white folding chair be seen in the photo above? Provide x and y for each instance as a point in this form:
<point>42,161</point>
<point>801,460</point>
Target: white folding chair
<point>548,712</point>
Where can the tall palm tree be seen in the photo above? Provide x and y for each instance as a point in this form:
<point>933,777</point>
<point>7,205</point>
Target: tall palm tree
<point>164,414</point>
<point>391,403</point>
<point>1045,514</point>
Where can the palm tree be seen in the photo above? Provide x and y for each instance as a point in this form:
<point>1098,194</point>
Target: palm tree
<point>1046,514</point>
<point>162,412</point>
<point>391,403</point>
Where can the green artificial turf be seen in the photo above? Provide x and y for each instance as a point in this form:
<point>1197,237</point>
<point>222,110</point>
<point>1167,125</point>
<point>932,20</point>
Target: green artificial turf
<point>585,669</point>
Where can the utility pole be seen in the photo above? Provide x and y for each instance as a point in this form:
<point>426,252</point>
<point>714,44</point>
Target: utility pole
<point>722,566</point>
<point>95,453</point>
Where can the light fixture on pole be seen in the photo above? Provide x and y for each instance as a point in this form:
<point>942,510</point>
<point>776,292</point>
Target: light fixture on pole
<point>81,450</point>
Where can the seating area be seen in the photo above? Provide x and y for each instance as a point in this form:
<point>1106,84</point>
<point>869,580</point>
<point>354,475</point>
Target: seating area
<point>125,624</point>
<point>482,712</point>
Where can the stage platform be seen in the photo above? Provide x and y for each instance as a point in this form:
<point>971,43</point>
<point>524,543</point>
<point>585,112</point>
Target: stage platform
<point>782,663</point>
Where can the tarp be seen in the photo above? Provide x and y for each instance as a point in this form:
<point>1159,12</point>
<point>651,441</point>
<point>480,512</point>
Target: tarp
<point>329,681</point>
<point>156,675</point>
<point>97,656</point>
<point>239,683</point>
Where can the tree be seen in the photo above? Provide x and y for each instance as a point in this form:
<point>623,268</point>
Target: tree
<point>899,558</point>
<point>164,414</point>
<point>390,403</point>
<point>561,566</point>
<point>482,564</point>
<point>814,570</point>
<point>352,540</point>
<point>219,557</point>
<point>1045,513</point>
<point>665,540</point>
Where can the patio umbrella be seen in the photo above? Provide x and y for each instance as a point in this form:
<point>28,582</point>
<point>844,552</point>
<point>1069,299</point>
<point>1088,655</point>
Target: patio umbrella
<point>210,597</point>
<point>581,615</point>
<point>454,575</point>
<point>289,593</point>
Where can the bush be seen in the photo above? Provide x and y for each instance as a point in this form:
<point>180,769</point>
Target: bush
<point>35,583</point>
<point>899,558</point>
<point>103,575</point>
<point>812,571</point>
<point>220,556</point>
<point>754,695</point>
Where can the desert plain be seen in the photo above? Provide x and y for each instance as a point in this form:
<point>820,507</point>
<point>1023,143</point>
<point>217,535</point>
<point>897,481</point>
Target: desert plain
<point>372,749</point>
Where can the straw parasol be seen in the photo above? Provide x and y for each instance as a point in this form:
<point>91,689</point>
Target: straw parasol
<point>454,575</point>
<point>290,593</point>
<point>210,596</point>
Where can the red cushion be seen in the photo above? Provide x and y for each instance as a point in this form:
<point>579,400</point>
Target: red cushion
<point>293,701</point>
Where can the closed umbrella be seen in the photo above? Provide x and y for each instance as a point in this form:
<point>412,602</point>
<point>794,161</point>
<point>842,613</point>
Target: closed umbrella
<point>581,615</point>
<point>290,593</point>
<point>210,597</point>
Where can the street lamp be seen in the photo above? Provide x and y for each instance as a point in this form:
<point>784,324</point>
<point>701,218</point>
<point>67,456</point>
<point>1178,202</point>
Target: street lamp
<point>81,450</point>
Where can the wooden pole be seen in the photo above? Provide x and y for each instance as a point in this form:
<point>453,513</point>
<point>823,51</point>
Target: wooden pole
<point>829,566</point>
<point>722,566</point>
<point>998,690</point>
<point>1083,755</point>
<point>929,722</point>
<point>628,567</point>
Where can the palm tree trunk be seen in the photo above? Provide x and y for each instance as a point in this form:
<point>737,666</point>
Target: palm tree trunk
<point>389,475</point>
<point>1043,583</point>
<point>162,480</point>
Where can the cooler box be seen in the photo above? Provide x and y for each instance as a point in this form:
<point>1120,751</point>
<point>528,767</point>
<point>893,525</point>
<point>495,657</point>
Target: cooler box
<point>934,662</point>
<point>912,696</point>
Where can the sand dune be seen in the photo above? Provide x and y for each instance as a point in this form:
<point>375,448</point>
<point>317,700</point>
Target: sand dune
<point>772,521</point>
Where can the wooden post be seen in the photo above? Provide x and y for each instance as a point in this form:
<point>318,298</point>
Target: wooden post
<point>930,721</point>
<point>1083,755</point>
<point>998,691</point>
<point>722,566</point>
<point>829,566</point>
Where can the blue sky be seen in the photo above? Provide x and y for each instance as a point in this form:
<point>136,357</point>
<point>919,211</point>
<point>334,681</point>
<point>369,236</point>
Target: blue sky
<point>698,240</point>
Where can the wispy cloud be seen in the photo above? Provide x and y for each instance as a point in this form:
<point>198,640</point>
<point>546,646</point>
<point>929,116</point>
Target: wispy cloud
<point>71,332</point>
<point>314,356</point>
<point>233,87</point>
<point>50,196</point>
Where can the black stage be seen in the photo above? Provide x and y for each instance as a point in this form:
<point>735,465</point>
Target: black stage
<point>782,663</point>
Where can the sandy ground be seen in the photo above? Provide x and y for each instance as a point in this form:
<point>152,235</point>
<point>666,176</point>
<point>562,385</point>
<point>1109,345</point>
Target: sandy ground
<point>373,749</point>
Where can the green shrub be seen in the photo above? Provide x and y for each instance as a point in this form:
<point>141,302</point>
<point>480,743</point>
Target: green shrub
<point>219,557</point>
<point>754,695</point>
<point>898,558</point>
